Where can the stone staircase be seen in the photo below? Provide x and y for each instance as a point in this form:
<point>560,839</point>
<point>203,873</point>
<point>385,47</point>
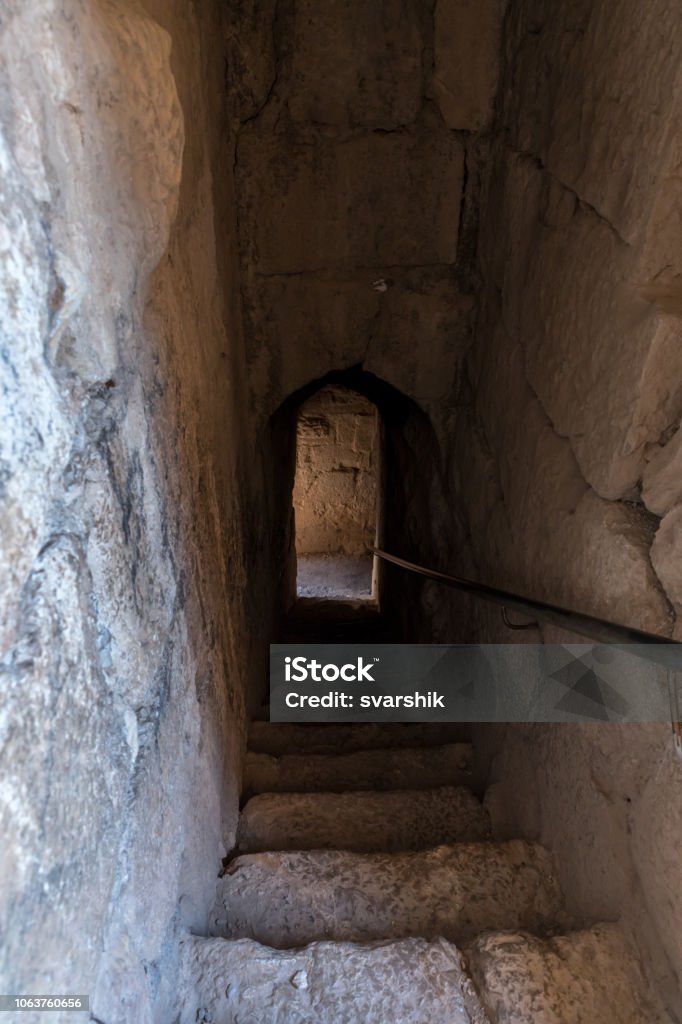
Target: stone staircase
<point>366,888</point>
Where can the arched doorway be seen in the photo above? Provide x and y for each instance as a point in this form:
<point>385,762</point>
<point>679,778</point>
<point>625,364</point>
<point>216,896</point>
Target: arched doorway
<point>409,488</point>
<point>335,494</point>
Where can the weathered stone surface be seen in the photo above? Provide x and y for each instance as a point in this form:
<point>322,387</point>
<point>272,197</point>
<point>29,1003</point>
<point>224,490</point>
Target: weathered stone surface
<point>363,769</point>
<point>607,800</point>
<point>289,899</point>
<point>611,542</point>
<point>666,556</point>
<point>245,983</point>
<point>114,774</point>
<point>572,979</point>
<point>408,326</point>
<point>310,202</point>
<point>250,63</point>
<point>604,364</point>
<point>335,488</point>
<point>467,48</point>
<point>355,63</point>
<point>548,508</point>
<point>363,822</point>
<point>585,91</point>
<point>662,479</point>
<point>278,738</point>
<point>655,822</point>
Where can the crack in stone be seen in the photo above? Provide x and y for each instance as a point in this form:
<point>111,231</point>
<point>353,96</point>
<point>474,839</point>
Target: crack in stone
<point>582,203</point>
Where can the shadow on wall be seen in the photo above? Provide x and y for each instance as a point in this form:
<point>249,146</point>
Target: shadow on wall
<point>410,490</point>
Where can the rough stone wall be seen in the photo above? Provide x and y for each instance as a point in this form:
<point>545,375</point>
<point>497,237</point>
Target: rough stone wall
<point>123,640</point>
<point>356,189</point>
<point>566,458</point>
<point>335,490</point>
<point>579,323</point>
<point>360,134</point>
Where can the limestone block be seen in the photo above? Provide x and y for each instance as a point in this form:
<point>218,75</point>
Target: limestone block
<point>666,556</point>
<point>310,202</point>
<point>581,977</point>
<point>585,95</point>
<point>355,63</point>
<point>423,335</point>
<point>610,570</point>
<point>417,768</point>
<point>289,899</point>
<point>662,479</point>
<point>547,508</point>
<point>329,317</point>
<point>244,982</point>
<point>538,472</point>
<point>364,822</point>
<point>655,825</point>
<point>550,509</point>
<point>413,335</point>
<point>106,501</point>
<point>466,55</point>
<point>604,364</point>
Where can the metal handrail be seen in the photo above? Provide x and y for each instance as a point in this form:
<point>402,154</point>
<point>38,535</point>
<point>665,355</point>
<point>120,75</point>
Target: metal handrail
<point>661,648</point>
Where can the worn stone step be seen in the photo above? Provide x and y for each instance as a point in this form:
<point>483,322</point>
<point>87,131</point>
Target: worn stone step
<point>363,821</point>
<point>411,768</point>
<point>288,899</point>
<point>243,982</point>
<point>277,738</point>
<point>581,978</point>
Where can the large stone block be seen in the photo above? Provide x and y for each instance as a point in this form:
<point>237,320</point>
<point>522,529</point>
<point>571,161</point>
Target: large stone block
<point>604,364</point>
<point>244,982</point>
<point>250,65</point>
<point>655,827</point>
<point>591,975</point>
<point>662,480</point>
<point>467,54</point>
<point>666,556</point>
<point>609,570</point>
<point>409,327</point>
<point>308,202</point>
<point>422,336</point>
<point>367,822</point>
<point>355,63</point>
<point>109,499</point>
<point>586,93</point>
<point>287,899</point>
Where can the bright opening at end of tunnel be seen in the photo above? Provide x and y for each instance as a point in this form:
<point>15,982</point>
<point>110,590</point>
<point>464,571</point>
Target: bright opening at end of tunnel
<point>335,495</point>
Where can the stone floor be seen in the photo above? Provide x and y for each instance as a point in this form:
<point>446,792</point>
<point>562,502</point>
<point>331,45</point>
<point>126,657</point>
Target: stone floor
<point>334,576</point>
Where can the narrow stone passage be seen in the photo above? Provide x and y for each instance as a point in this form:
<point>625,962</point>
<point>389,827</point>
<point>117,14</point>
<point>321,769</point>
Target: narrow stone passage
<point>367,887</point>
<point>282,281</point>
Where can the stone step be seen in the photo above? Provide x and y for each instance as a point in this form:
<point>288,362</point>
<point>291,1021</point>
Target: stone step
<point>277,738</point>
<point>243,982</point>
<point>411,768</point>
<point>288,899</point>
<point>364,821</point>
<point>580,978</point>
